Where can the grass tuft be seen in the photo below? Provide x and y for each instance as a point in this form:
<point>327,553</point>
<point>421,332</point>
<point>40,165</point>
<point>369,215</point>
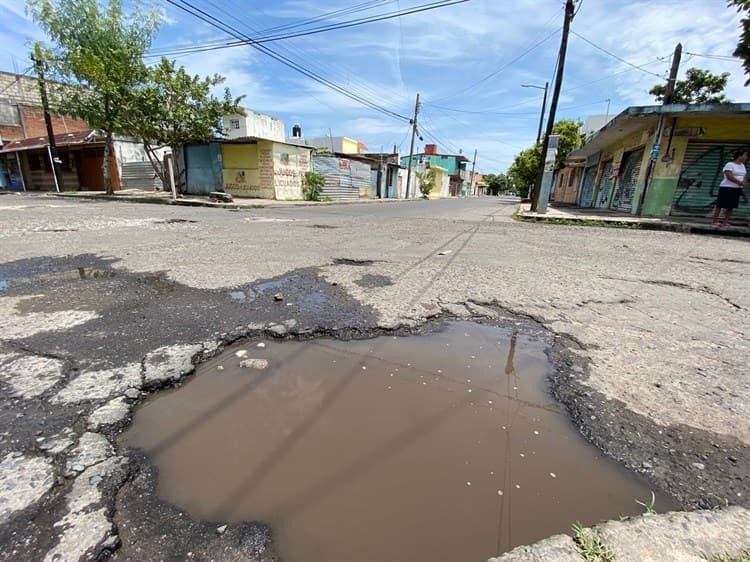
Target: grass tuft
<point>648,505</point>
<point>589,545</point>
<point>743,557</point>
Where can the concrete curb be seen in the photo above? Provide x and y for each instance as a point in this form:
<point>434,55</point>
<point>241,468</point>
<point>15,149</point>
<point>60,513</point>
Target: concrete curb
<point>220,205</point>
<point>664,226</point>
<point>671,537</point>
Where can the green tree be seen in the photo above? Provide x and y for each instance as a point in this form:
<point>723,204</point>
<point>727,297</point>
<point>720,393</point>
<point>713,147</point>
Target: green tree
<point>525,167</point>
<point>426,182</point>
<point>498,183</point>
<point>742,51</point>
<point>172,108</point>
<point>570,139</point>
<point>699,86</point>
<point>97,53</point>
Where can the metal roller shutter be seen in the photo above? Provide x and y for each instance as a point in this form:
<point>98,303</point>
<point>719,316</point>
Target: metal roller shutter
<point>628,180</point>
<point>587,188</point>
<point>698,184</point>
<point>139,175</point>
<point>605,186</point>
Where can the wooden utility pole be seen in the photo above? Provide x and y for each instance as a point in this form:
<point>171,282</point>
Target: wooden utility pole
<point>569,13</point>
<point>54,159</point>
<point>471,179</point>
<point>411,150</point>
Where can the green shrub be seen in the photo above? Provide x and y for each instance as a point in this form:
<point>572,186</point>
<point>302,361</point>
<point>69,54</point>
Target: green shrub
<point>313,187</point>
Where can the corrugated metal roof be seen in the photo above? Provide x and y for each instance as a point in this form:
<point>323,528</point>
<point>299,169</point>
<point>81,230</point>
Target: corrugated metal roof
<point>65,139</point>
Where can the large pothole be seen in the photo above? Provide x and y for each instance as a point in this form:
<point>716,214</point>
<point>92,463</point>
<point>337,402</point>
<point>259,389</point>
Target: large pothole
<point>445,446</point>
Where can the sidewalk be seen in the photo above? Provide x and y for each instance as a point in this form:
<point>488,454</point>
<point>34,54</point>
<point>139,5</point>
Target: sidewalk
<point>165,198</point>
<point>608,218</point>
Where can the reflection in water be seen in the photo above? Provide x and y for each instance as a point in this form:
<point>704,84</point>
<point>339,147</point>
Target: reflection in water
<point>505,495</point>
<point>385,449</point>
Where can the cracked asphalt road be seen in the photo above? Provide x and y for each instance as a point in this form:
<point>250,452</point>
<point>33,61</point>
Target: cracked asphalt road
<point>100,301</point>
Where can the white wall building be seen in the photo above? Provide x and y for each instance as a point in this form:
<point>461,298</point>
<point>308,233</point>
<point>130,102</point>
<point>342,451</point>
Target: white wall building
<point>255,125</point>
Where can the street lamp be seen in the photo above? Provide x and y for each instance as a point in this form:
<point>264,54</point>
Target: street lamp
<point>544,107</point>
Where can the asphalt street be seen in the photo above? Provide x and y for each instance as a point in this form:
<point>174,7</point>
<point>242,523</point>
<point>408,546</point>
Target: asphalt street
<point>652,332</point>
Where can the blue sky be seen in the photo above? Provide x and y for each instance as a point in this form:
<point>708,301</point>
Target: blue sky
<point>465,60</point>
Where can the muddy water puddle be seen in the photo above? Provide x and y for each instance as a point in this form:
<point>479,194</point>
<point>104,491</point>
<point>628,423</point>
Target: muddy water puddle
<point>441,447</point>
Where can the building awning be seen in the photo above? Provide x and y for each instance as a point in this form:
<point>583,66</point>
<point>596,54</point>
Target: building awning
<point>256,140</point>
<point>63,140</point>
<point>637,118</point>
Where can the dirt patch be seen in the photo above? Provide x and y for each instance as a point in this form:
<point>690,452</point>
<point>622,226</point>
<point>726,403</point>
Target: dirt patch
<point>371,281</point>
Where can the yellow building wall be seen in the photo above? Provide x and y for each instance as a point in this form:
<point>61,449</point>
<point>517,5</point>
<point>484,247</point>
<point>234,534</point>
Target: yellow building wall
<point>616,152</point>
<point>660,193</point>
<point>349,146</point>
<point>266,170</point>
<point>437,191</point>
<point>242,174</point>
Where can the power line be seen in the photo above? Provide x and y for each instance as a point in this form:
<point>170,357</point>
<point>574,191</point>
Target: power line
<point>610,75</point>
<point>217,23</point>
<point>506,65</point>
<point>361,86</point>
<point>346,76</point>
<point>714,57</point>
<point>323,29</point>
<point>611,54</point>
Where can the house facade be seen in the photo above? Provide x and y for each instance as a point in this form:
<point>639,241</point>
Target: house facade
<point>567,181</point>
<point>684,177</point>
<point>454,164</point>
<point>21,116</point>
<point>247,167</point>
<point>26,165</point>
<point>253,125</point>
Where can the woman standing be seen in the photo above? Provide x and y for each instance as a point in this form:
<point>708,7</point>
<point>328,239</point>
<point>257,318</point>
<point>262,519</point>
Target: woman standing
<point>731,187</point>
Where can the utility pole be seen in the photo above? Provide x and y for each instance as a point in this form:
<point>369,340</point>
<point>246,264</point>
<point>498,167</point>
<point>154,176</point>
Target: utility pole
<point>411,150</point>
<point>471,179</point>
<point>55,160</point>
<point>656,148</point>
<point>544,107</point>
<point>569,13</point>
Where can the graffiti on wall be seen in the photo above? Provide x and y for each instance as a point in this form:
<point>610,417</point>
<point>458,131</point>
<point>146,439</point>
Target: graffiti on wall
<point>698,184</point>
<point>287,177</point>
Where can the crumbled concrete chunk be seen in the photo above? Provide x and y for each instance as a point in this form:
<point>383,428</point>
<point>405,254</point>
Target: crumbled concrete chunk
<point>92,448</point>
<point>112,413</point>
<point>23,480</point>
<point>252,363</point>
<point>30,375</point>
<point>99,384</point>
<point>170,363</point>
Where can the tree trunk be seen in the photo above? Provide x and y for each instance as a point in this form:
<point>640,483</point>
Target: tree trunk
<point>157,165</point>
<point>180,173</point>
<point>105,166</point>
